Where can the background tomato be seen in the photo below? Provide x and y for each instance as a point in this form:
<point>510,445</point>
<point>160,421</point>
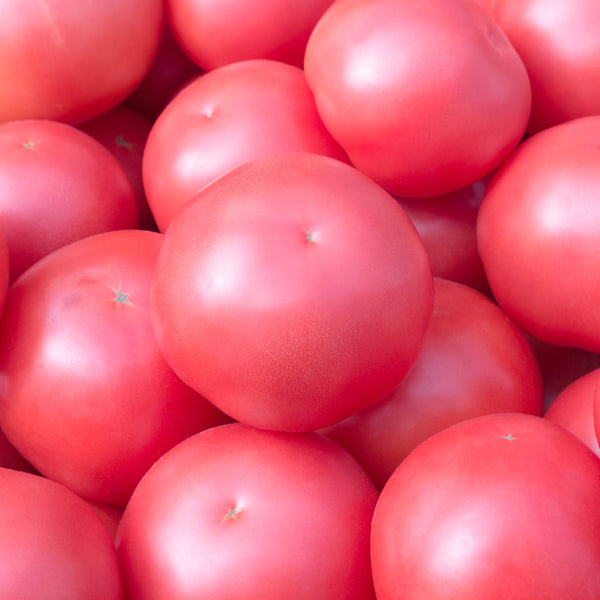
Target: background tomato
<point>57,185</point>
<point>539,247</point>
<point>72,61</point>
<point>474,361</point>
<point>292,292</point>
<point>559,44</point>
<point>500,506</point>
<point>86,395</point>
<point>52,545</point>
<point>425,96</point>
<point>290,514</point>
<point>223,119</point>
<point>219,32</point>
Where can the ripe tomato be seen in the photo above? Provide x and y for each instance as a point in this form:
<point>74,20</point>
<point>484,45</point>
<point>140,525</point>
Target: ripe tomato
<point>573,409</point>
<point>559,44</point>
<point>215,33</point>
<point>236,512</point>
<point>500,506</point>
<point>474,361</point>
<point>539,247</point>
<point>72,61</point>
<point>223,119</point>
<point>123,132</point>
<point>447,226</point>
<point>292,292</point>
<point>52,545</point>
<point>86,395</point>
<point>57,185</point>
<point>425,96</point>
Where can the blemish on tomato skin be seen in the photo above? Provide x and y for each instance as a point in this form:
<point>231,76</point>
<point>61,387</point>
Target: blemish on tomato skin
<point>122,142</point>
<point>232,514</point>
<point>509,437</point>
<point>121,297</point>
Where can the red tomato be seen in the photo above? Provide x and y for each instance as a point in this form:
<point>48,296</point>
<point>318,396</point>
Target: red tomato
<point>292,292</point>
<point>219,32</point>
<point>123,132</point>
<point>52,545</point>
<point>223,119</point>
<point>237,512</point>
<point>57,185</point>
<point>425,96</point>
<point>86,395</point>
<point>573,409</point>
<point>559,44</point>
<point>447,227</point>
<point>72,61</point>
<point>169,72</point>
<point>474,361</point>
<point>539,247</point>
<point>500,506</point>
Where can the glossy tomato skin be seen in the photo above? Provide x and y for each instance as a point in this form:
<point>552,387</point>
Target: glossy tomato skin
<point>215,33</point>
<point>57,185</point>
<point>86,395</point>
<point>444,112</point>
<point>559,44</point>
<point>123,131</point>
<point>474,361</point>
<point>540,248</point>
<point>292,292</point>
<point>289,513</point>
<point>51,66</point>
<point>52,544</point>
<point>223,119</point>
<point>500,506</point>
<point>573,409</point>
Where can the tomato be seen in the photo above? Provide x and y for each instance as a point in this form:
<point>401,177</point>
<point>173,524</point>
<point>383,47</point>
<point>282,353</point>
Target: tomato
<point>123,132</point>
<point>559,44</point>
<point>573,409</point>
<point>215,33</point>
<point>85,393</point>
<point>223,119</point>
<point>425,96</point>
<point>236,512</point>
<point>72,61</point>
<point>52,545</point>
<point>474,361</point>
<point>292,292</point>
<point>169,72</point>
<point>447,226</point>
<point>57,185</point>
<point>500,506</point>
<point>540,249</point>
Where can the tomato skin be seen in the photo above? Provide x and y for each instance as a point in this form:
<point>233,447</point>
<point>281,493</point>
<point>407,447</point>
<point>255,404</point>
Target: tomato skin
<point>57,185</point>
<point>447,226</point>
<point>500,506</point>
<point>213,37</point>
<point>532,235</point>
<point>444,113</point>
<point>51,66</point>
<point>310,268</point>
<point>52,544</point>
<point>86,395</point>
<point>123,132</point>
<point>223,119</point>
<point>474,361</point>
<point>559,44</point>
<point>573,409</point>
<point>290,512</point>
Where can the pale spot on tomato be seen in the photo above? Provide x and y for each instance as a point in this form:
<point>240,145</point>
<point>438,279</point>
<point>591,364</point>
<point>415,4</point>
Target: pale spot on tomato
<point>232,514</point>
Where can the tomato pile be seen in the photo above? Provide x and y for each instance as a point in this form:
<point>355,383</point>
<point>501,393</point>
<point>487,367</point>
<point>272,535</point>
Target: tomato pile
<point>298,300</point>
